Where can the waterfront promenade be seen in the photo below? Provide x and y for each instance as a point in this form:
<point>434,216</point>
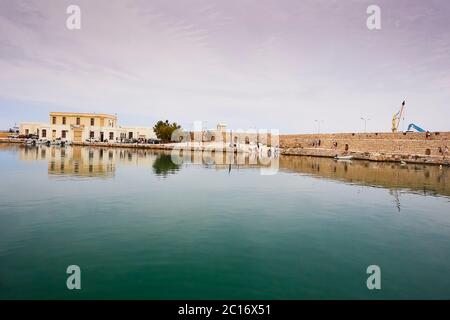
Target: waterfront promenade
<point>404,147</point>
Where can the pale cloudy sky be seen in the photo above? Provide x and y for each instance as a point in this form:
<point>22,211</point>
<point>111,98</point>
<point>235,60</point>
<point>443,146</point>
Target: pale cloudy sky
<point>261,63</point>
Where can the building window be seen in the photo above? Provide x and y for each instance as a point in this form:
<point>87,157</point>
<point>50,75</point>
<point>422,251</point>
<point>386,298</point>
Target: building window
<point>64,120</point>
<point>27,132</point>
<point>53,120</point>
<point>130,135</point>
<point>63,134</point>
<point>78,121</point>
<point>111,136</point>
<point>44,133</point>
<point>92,121</point>
<point>91,134</point>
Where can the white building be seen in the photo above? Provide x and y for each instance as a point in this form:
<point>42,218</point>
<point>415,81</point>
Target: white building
<point>80,127</point>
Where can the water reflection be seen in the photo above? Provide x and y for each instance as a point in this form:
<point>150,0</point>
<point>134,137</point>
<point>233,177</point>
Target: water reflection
<point>76,162</point>
<point>102,163</point>
<point>424,179</point>
<point>396,194</point>
<point>163,165</point>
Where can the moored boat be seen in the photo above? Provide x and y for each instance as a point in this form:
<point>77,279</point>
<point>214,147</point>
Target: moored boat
<point>343,157</point>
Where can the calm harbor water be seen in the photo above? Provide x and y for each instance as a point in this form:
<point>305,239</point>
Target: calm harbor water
<point>142,226</point>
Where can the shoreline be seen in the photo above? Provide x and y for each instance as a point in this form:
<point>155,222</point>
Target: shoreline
<point>285,151</point>
<point>368,156</point>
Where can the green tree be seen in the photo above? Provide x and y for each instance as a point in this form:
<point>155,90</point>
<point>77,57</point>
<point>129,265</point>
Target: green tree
<point>164,130</point>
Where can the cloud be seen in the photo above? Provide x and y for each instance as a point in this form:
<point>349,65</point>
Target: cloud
<point>278,64</point>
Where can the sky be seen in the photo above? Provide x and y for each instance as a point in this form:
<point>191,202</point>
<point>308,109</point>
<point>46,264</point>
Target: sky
<point>259,64</point>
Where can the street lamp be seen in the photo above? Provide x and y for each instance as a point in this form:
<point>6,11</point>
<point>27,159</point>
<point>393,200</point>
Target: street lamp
<point>365,123</point>
<point>318,125</point>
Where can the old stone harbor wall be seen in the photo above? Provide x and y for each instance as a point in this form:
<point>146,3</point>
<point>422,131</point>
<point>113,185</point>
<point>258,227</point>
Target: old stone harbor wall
<point>410,147</point>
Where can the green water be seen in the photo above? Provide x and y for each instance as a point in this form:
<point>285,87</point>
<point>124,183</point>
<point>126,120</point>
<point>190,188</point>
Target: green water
<point>141,226</point>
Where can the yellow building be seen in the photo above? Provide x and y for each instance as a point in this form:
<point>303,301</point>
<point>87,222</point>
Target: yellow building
<point>79,127</point>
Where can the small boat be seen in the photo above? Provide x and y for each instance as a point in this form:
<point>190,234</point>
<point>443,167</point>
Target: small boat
<point>58,143</point>
<point>403,163</point>
<point>30,142</point>
<point>343,157</point>
<point>42,142</point>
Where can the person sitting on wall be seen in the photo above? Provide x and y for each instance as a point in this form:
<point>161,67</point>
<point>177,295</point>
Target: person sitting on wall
<point>427,134</point>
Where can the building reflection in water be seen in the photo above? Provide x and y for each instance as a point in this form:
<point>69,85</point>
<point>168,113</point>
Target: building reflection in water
<point>79,162</point>
<point>102,162</point>
<point>225,160</point>
<point>424,179</point>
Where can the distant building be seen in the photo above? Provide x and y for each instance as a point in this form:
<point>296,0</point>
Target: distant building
<point>223,136</point>
<point>221,127</point>
<point>79,127</point>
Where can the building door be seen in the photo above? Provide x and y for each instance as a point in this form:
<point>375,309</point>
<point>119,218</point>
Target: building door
<point>130,135</point>
<point>101,136</point>
<point>77,135</point>
<point>53,134</point>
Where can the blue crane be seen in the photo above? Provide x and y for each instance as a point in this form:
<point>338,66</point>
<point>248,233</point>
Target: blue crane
<point>418,129</point>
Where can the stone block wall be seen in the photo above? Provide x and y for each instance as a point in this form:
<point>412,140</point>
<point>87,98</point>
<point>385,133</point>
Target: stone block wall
<point>408,143</point>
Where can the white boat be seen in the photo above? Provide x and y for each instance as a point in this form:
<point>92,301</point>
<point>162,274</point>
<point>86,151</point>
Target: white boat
<point>42,142</point>
<point>30,142</point>
<point>343,157</point>
<point>58,143</point>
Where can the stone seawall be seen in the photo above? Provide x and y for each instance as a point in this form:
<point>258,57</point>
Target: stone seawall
<point>410,147</point>
<point>413,147</point>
